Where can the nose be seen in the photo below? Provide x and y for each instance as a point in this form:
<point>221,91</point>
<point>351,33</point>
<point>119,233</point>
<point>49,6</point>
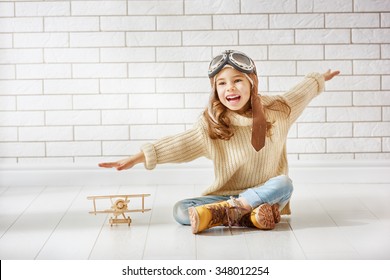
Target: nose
<point>231,87</point>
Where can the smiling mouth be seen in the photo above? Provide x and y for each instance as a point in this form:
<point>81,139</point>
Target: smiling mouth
<point>233,98</point>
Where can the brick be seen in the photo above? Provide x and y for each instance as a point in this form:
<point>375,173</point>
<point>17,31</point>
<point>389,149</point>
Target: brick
<point>11,56</point>
<point>153,132</point>
<point>103,132</point>
<point>371,35</point>
<point>100,101</point>
<point>277,68</point>
<point>173,7</point>
<point>201,38</point>
<point>99,8</point>
<point>7,9</point>
<point>240,22</point>
<point>324,6</point>
<point>178,116</point>
<point>97,39</point>
<point>152,70</point>
<point>196,100</point>
<point>385,83</point>
<point>335,99</point>
<point>22,149</point>
<point>372,156</point>
<point>7,103</point>
<point>177,85</point>
<point>352,52</point>
<point>127,85</point>
<point>371,98</point>
<point>7,72</point>
<point>371,5</point>
<point>44,102</point>
<point>20,87</point>
<point>27,24</point>
<point>59,24</point>
<point>306,145</point>
<point>312,115</point>
<point>282,84</point>
<point>351,20</point>
<point>254,37</point>
<point>43,71</point>
<point>353,114</point>
<point>71,86</point>
<point>21,118</point>
<point>305,67</point>
<point>212,7</point>
<point>386,144</point>
<point>363,67</point>
<point>8,134</point>
<point>41,40</point>
<point>138,39</point>
<point>371,129</point>
<point>184,22</point>
<point>326,36</point>
<point>73,117</point>
<point>385,19</point>
<point>386,114</point>
<point>255,52</point>
<point>127,23</point>
<point>174,54</point>
<point>129,117</point>
<point>85,148</point>
<point>362,83</point>
<point>303,52</point>
<point>144,54</point>
<point>279,21</point>
<point>195,69</point>
<point>101,70</point>
<point>77,55</point>
<point>59,133</point>
<point>40,8</point>
<point>324,130</point>
<point>268,6</point>
<point>121,148</point>
<point>156,101</point>
<point>6,41</point>
<point>353,145</point>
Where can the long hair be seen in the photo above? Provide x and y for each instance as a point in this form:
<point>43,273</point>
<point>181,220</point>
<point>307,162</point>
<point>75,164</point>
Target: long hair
<point>218,122</point>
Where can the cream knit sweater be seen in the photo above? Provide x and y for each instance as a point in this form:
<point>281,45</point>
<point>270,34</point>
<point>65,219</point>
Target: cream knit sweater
<point>237,166</point>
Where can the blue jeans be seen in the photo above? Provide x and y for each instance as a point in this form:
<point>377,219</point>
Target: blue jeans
<point>275,190</point>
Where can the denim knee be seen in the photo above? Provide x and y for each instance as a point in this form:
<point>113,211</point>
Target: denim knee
<point>286,183</point>
<point>180,213</point>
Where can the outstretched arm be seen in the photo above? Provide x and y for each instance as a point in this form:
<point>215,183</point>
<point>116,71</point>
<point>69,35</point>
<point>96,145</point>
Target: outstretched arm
<point>126,163</point>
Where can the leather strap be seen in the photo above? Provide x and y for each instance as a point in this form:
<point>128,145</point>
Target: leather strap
<point>259,125</point>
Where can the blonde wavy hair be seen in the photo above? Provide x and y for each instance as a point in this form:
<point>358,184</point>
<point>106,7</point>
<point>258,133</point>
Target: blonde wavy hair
<point>218,122</point>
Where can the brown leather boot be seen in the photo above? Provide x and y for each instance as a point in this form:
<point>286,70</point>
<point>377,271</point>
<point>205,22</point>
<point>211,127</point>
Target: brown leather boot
<point>226,213</point>
<point>263,217</point>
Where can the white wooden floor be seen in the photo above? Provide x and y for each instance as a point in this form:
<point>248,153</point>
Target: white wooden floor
<point>328,222</point>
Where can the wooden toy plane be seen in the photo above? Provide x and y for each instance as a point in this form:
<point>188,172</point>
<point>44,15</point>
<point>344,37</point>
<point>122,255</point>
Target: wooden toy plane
<point>119,207</point>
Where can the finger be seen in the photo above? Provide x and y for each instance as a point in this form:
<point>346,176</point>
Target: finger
<point>108,164</point>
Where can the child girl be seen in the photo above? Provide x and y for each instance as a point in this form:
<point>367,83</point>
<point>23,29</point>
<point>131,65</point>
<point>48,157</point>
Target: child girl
<point>244,134</point>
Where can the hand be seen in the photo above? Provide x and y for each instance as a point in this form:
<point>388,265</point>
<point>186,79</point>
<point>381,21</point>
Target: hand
<point>328,75</point>
<point>126,163</point>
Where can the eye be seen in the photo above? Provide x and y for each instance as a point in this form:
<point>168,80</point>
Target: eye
<point>238,80</point>
<point>221,83</point>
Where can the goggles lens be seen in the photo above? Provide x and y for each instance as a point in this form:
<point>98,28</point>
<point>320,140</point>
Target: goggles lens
<point>238,60</point>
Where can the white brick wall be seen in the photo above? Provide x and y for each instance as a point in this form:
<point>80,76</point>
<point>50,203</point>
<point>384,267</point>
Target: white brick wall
<point>82,80</point>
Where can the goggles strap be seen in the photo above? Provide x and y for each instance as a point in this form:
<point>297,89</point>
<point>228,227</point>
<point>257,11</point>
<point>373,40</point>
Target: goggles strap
<point>259,126</point>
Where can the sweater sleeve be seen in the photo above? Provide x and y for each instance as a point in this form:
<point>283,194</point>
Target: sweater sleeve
<point>183,147</point>
<point>301,95</point>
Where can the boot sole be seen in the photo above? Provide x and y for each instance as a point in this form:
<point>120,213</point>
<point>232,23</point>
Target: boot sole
<point>276,213</point>
<point>194,219</point>
<point>265,217</point>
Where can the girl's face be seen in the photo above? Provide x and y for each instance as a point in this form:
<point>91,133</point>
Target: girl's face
<point>233,89</point>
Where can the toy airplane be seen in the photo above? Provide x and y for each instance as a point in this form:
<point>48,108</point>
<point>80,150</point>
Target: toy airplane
<point>119,207</point>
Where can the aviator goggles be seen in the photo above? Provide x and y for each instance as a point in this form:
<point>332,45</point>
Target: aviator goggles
<point>238,60</point>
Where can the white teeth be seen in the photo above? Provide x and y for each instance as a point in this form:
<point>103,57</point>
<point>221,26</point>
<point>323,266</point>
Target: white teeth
<point>232,97</point>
